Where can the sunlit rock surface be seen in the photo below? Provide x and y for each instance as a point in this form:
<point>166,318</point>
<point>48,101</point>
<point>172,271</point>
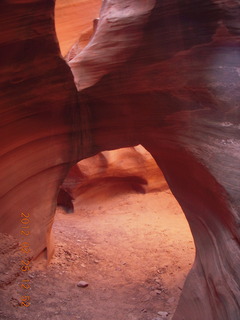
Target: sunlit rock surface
<point>74,22</point>
<point>109,174</point>
<point>164,74</point>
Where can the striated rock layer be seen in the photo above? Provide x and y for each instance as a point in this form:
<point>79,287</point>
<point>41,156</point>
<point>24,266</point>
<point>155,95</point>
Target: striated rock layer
<point>74,21</point>
<point>38,119</point>
<point>108,174</point>
<point>164,74</point>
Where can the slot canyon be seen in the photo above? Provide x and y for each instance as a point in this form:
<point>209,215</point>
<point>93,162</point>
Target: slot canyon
<point>120,159</point>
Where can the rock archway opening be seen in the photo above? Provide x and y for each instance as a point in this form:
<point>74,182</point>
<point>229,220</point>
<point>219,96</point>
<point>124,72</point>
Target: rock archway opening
<point>119,228</point>
<point>74,23</point>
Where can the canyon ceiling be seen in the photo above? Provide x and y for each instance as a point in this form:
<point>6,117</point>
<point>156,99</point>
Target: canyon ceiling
<point>164,74</point>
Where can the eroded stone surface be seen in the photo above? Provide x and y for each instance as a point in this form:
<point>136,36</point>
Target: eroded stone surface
<point>182,82</point>
<point>161,73</point>
<point>111,173</point>
<point>38,107</point>
<point>74,22</point>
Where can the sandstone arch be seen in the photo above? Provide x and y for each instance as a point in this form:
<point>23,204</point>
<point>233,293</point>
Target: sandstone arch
<point>132,94</point>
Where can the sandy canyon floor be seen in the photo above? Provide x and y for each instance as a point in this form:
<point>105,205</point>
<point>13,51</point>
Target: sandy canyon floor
<point>133,250</point>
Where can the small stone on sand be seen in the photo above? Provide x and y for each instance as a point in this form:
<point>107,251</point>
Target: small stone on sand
<point>82,284</point>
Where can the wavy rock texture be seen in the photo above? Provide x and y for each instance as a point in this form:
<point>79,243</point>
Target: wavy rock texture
<point>169,79</point>
<point>74,22</point>
<point>110,173</point>
<point>164,74</point>
<point>38,108</point>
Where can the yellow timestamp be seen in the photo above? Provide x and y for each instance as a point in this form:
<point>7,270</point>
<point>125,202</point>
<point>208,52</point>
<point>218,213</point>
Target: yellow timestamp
<point>25,265</point>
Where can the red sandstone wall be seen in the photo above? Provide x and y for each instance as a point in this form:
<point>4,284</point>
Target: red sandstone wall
<point>165,74</point>
<point>74,21</point>
<point>161,73</point>
<point>38,105</point>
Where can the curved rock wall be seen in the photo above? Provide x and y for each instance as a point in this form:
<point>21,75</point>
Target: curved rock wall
<point>161,73</point>
<point>111,173</point>
<point>38,105</point>
<point>74,21</point>
<point>175,90</point>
